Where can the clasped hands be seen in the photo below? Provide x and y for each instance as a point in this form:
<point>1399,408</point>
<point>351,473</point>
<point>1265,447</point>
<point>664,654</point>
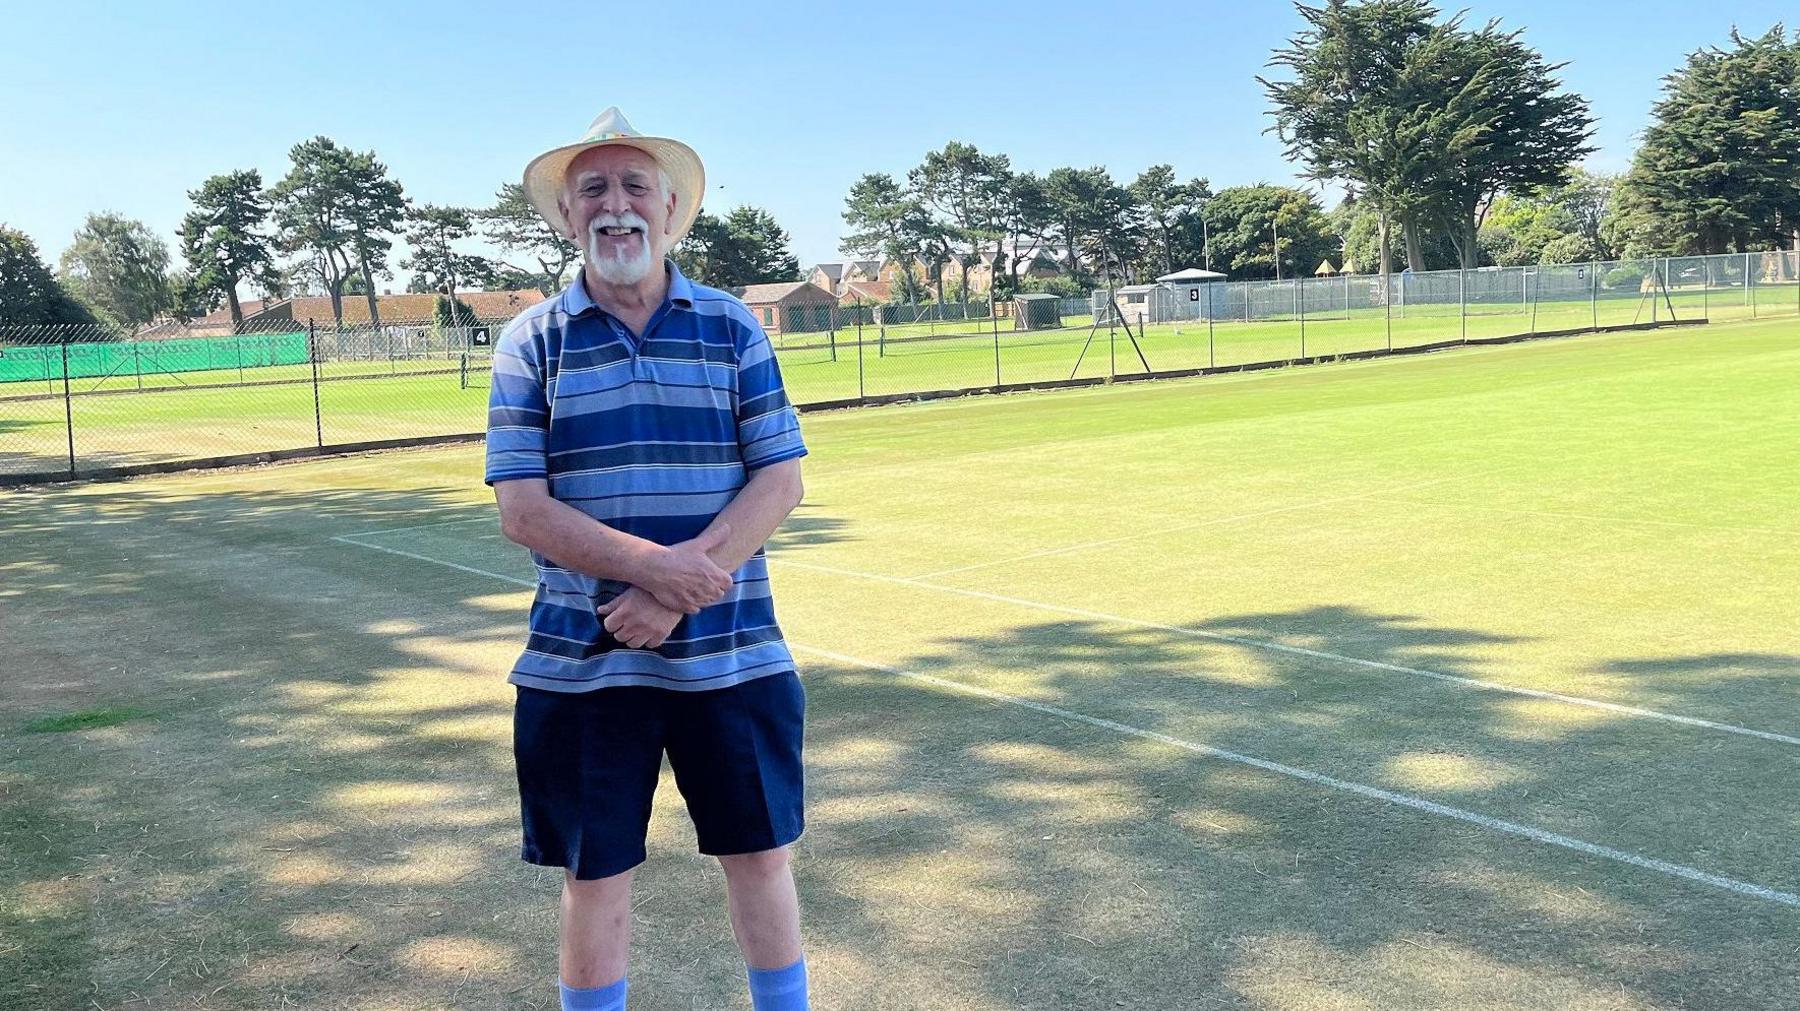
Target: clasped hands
<point>681,579</point>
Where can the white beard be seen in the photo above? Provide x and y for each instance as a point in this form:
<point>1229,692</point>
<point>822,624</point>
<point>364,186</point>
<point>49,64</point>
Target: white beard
<point>628,268</point>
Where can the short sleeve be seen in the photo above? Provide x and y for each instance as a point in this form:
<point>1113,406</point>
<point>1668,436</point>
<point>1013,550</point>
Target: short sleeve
<point>518,428</point>
<point>767,424</point>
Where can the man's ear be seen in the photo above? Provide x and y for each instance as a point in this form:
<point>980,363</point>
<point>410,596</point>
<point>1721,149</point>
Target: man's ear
<point>669,219</point>
<point>568,228</point>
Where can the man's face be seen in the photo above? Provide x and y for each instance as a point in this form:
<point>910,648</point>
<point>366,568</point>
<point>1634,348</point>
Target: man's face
<point>618,211</point>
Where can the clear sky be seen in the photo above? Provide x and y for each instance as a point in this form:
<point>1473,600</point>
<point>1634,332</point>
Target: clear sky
<point>125,107</point>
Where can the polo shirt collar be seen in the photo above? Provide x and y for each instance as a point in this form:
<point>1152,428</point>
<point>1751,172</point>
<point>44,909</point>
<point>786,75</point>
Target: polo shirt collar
<point>576,301</point>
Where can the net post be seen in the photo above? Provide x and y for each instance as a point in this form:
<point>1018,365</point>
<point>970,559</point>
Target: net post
<point>1594,292</point>
<point>1747,299</point>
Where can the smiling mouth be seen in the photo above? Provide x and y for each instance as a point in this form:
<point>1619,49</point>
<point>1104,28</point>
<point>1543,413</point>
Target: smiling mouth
<point>621,232</point>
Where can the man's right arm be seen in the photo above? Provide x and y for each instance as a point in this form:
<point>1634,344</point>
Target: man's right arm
<point>681,577</point>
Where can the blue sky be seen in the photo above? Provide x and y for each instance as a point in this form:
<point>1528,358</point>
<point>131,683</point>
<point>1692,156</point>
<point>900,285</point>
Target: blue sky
<point>126,107</point>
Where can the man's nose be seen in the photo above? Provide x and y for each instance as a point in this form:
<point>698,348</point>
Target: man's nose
<point>614,200</point>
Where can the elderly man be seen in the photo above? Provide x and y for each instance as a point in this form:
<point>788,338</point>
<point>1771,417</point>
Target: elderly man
<point>641,445</point>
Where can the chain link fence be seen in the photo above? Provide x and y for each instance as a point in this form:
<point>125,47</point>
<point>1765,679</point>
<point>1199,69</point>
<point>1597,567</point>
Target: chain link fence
<point>82,402</point>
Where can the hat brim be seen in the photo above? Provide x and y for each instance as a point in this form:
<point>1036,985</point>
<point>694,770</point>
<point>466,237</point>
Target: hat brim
<point>545,175</point>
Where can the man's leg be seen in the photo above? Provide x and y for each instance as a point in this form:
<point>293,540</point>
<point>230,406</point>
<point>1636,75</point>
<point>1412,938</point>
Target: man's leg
<point>596,929</point>
<point>765,910</point>
<point>765,917</point>
<point>596,937</point>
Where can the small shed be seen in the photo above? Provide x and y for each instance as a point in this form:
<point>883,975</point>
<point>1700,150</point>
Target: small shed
<point>791,306</point>
<point>1036,311</point>
<point>1183,295</point>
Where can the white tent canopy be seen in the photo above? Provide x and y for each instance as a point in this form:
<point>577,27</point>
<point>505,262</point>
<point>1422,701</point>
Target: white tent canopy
<point>1191,275</point>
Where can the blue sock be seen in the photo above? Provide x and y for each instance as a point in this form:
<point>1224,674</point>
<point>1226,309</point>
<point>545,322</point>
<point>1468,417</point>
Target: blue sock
<point>599,998</point>
<point>779,989</point>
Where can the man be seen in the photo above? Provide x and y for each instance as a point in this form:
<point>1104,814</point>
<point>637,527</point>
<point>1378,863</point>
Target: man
<point>641,445</point>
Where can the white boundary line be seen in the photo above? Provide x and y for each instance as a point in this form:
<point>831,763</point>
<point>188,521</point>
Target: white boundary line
<point>1317,778</point>
<point>1316,654</point>
<point>1332,782</point>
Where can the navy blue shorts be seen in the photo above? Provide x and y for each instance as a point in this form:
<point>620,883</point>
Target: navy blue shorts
<point>588,764</point>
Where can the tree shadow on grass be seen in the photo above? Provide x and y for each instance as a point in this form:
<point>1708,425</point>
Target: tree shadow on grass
<point>1090,867</point>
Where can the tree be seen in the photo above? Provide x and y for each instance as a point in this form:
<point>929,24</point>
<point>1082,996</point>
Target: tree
<point>432,232</point>
<point>1350,113</point>
<point>29,293</point>
<point>376,210</point>
<point>890,222</point>
<point>1717,168</point>
<point>965,191</point>
<point>1429,120</point>
<point>120,266</point>
<point>516,227</point>
<point>337,209</point>
<point>223,242</point>
<point>1244,221</point>
<point>1026,217</point>
<point>1163,206</point>
<point>1509,129</point>
<point>745,247</point>
<point>1093,217</point>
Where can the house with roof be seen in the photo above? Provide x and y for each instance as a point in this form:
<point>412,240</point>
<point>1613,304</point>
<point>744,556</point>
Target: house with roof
<point>790,306</point>
<point>834,275</point>
<point>409,309</point>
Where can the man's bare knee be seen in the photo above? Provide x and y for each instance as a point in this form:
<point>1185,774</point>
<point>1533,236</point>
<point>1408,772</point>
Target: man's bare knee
<point>764,864</point>
<point>597,890</point>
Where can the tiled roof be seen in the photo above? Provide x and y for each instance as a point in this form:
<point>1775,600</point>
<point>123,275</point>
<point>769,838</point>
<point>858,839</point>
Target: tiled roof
<point>764,293</point>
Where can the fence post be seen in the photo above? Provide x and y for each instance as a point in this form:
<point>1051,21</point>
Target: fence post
<point>994,315</point>
<point>859,354</point>
<point>1594,292</point>
<point>312,353</point>
<point>1300,303</point>
<point>68,407</point>
<point>137,363</point>
<point>1751,302</point>
<point>1211,361</point>
<point>1537,285</point>
<point>1462,301</point>
<point>1706,287</point>
<point>1387,307</point>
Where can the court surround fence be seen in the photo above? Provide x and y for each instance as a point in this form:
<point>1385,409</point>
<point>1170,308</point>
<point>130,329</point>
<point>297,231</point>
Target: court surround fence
<point>84,402</point>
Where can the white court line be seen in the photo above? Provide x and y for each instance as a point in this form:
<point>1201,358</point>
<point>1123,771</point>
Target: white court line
<point>439,561</point>
<point>1317,778</point>
<point>1195,525</point>
<point>1316,654</point>
<point>495,518</point>
<point>1332,782</point>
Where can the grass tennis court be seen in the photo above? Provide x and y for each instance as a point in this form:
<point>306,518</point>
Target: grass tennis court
<point>1462,680</point>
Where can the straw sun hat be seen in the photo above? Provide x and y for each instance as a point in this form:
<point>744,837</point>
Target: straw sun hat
<point>687,178</point>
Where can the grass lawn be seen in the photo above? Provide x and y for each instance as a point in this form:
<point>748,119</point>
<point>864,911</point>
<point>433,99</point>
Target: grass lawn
<point>1462,680</point>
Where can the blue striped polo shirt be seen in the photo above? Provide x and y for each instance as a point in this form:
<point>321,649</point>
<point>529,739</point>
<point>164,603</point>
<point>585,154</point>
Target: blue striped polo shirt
<point>652,435</point>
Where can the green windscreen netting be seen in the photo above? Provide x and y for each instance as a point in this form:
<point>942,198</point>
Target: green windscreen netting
<point>19,363</point>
